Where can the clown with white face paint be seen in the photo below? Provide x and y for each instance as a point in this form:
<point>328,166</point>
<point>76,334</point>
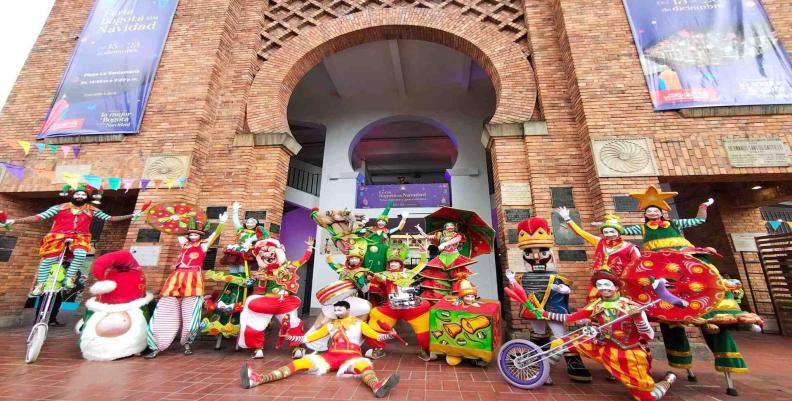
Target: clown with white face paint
<point>70,221</point>
<point>115,321</point>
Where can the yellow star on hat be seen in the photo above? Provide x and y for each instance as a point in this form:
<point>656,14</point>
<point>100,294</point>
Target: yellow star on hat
<point>653,197</point>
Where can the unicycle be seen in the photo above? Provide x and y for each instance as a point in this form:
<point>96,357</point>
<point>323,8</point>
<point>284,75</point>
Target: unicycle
<point>53,285</point>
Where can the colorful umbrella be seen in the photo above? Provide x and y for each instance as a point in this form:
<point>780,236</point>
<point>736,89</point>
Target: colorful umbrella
<point>174,217</point>
<point>478,234</point>
<point>688,277</point>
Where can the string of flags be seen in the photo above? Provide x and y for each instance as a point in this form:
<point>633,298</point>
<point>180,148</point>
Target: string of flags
<point>27,146</point>
<point>114,183</point>
<point>776,224</point>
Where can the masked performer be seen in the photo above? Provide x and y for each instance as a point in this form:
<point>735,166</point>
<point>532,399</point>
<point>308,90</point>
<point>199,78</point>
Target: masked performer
<point>402,302</point>
<point>346,335</point>
<point>620,348</point>
<point>442,274</point>
<point>274,296</point>
<point>72,221</point>
<point>181,298</point>
<point>378,238</point>
<point>545,287</point>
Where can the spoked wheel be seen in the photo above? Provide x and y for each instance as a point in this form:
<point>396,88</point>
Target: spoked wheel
<point>519,365</point>
<point>35,342</point>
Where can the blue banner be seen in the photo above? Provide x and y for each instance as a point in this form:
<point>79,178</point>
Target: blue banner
<point>106,85</point>
<point>704,53</point>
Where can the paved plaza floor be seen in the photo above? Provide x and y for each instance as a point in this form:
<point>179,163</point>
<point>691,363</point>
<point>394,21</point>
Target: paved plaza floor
<point>61,374</point>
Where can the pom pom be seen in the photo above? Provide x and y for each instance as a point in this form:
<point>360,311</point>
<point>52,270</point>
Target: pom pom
<point>103,287</point>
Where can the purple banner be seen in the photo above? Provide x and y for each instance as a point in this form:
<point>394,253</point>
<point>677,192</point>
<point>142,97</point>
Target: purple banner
<point>106,84</point>
<point>404,195</point>
<point>704,53</point>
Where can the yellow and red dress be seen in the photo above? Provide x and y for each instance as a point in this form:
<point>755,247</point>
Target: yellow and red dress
<point>187,279</point>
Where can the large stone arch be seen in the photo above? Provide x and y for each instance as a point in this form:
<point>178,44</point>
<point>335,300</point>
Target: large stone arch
<point>502,59</point>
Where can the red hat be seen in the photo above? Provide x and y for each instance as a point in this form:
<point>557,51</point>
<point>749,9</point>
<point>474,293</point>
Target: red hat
<point>534,232</point>
<point>605,275</point>
<point>119,279</point>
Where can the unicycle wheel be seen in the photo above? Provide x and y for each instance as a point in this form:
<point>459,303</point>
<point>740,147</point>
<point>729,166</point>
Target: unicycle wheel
<point>520,374</point>
<point>35,341</point>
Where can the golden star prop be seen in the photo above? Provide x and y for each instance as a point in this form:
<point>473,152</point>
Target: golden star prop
<point>653,197</point>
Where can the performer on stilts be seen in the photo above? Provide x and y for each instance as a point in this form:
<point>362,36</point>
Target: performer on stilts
<point>378,238</point>
<point>224,318</point>
<point>346,335</point>
<point>181,298</point>
<point>274,297</point>
<point>402,301</point>
<point>72,221</point>
<point>620,348</point>
<point>546,287</point>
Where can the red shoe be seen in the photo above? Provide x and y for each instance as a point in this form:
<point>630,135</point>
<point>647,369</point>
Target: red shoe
<point>249,378</point>
<point>384,387</point>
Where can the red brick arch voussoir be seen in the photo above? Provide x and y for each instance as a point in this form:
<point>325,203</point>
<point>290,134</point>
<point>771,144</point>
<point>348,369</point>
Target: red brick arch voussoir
<point>495,52</point>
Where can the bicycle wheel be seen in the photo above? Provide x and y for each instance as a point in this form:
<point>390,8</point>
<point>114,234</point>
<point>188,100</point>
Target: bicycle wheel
<point>35,341</point>
<point>517,372</point>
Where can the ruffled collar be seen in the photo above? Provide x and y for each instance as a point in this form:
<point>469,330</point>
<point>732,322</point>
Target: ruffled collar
<point>655,224</point>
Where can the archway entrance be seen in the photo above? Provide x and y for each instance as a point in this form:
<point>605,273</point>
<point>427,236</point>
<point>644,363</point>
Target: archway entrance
<point>394,119</point>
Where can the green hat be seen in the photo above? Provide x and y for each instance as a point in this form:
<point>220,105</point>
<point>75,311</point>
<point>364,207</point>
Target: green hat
<point>358,247</point>
<point>612,221</point>
<point>384,215</point>
<point>398,252</point>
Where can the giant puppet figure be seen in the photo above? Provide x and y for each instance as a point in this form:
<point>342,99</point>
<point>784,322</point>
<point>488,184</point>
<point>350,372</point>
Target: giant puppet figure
<point>546,288</point>
<point>274,297</point>
<point>378,238</point>
<point>621,348</point>
<point>346,335</point>
<point>442,275</point>
<point>181,298</point>
<point>116,319</point>
<point>660,233</point>
<point>402,301</point>
<point>72,221</point>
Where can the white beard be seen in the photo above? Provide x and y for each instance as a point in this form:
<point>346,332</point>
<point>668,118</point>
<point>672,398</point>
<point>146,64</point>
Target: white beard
<point>97,348</point>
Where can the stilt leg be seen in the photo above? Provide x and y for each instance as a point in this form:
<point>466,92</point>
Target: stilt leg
<point>730,390</point>
<point>691,376</point>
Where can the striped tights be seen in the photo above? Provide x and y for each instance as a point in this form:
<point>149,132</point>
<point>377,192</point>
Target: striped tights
<point>46,265</point>
<point>170,314</point>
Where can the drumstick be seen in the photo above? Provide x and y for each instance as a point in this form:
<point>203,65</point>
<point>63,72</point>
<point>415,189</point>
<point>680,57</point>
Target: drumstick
<point>389,328</point>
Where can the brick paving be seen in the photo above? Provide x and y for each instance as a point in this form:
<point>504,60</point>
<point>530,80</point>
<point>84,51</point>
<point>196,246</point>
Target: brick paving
<point>61,374</point>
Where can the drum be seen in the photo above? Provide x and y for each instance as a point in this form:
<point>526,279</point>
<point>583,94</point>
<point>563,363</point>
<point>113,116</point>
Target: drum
<point>336,291</point>
<point>404,298</point>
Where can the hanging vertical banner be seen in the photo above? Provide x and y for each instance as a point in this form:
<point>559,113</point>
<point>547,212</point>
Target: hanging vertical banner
<point>705,53</point>
<point>106,84</point>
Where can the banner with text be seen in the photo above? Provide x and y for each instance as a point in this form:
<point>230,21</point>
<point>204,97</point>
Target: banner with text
<point>404,195</point>
<point>106,84</point>
<point>705,53</point>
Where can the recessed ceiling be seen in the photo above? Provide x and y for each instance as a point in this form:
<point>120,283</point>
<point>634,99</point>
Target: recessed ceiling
<point>404,147</point>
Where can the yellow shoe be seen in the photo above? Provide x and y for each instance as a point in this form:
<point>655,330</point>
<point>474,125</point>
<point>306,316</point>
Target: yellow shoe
<point>453,360</point>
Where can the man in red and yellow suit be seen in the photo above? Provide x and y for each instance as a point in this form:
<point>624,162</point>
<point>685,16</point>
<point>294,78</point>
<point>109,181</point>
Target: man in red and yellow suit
<point>181,298</point>
<point>621,347</point>
<point>343,355</point>
<point>402,303</point>
<point>70,221</point>
<point>273,296</point>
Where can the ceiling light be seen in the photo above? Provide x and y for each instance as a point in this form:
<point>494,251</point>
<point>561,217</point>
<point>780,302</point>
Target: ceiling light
<point>756,187</point>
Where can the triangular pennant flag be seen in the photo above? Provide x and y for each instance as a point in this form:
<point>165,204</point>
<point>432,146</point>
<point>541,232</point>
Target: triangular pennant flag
<point>73,179</point>
<point>76,151</point>
<point>40,147</point>
<point>169,182</point>
<point>53,148</point>
<point>156,183</point>
<point>128,183</point>
<point>15,170</point>
<point>93,180</point>
<point>25,146</point>
<point>114,183</point>
<point>144,183</point>
<point>66,150</point>
<point>180,182</point>
<point>774,224</point>
<point>789,223</point>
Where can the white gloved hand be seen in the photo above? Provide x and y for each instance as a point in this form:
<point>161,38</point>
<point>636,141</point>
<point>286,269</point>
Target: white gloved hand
<point>511,277</point>
<point>405,215</point>
<point>709,202</point>
<point>223,217</point>
<point>236,205</point>
<point>563,212</point>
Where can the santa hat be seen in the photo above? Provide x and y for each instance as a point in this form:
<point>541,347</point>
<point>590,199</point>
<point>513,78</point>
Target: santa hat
<point>119,279</point>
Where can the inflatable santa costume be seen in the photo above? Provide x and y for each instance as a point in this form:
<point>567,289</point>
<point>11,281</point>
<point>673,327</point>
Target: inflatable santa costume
<point>116,319</point>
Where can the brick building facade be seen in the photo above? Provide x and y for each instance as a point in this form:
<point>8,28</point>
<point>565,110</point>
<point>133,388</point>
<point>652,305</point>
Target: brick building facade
<point>566,75</point>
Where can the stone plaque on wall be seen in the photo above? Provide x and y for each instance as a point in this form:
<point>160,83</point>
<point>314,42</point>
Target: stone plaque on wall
<point>163,167</point>
<point>624,157</point>
<point>214,212</point>
<point>147,235</point>
<point>563,234</point>
<point>259,215</point>
<point>625,204</point>
<point>146,255</point>
<point>516,193</point>
<point>516,215</point>
<point>745,242</point>
<point>274,228</point>
<point>572,255</point>
<point>562,196</point>
<point>515,260</point>
<point>511,236</point>
<point>765,152</point>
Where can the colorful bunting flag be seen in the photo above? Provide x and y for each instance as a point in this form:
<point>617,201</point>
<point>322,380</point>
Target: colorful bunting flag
<point>14,169</point>
<point>66,150</point>
<point>114,183</point>
<point>73,179</point>
<point>169,182</point>
<point>789,223</point>
<point>93,180</point>
<point>25,146</point>
<point>76,151</point>
<point>180,182</point>
<point>40,146</point>
<point>156,183</point>
<point>128,183</point>
<point>774,224</point>
<point>53,148</point>
<point>144,183</point>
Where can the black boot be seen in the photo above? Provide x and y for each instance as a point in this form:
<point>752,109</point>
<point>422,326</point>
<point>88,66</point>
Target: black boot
<point>576,370</point>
